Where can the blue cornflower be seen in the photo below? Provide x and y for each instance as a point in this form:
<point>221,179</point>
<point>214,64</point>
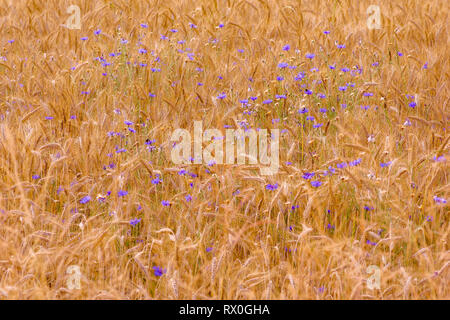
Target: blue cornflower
<point>36,176</point>
<point>439,200</point>
<point>385,164</point>
<point>341,165</point>
<point>134,221</point>
<point>165,203</point>
<point>209,249</point>
<point>317,125</point>
<point>412,104</point>
<point>122,193</point>
<point>286,47</point>
<point>221,96</point>
<point>439,159</point>
<point>283,65</point>
<point>158,271</point>
<point>308,175</point>
<point>157,180</point>
<point>211,163</point>
<point>303,110</point>
<point>355,162</point>
<point>300,76</point>
<point>188,197</point>
<point>85,199</point>
<point>268,101</point>
<point>97,32</point>
<point>310,55</point>
<point>272,187</point>
<point>316,184</point>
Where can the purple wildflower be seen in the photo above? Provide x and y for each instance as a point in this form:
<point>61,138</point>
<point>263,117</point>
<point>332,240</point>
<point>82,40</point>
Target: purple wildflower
<point>385,164</point>
<point>316,184</point>
<point>122,193</point>
<point>272,187</point>
<point>85,199</point>
<point>308,175</point>
<point>158,271</point>
<point>134,221</point>
<point>165,203</point>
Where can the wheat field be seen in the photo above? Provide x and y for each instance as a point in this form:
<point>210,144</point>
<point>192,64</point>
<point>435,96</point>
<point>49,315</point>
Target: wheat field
<point>357,210</point>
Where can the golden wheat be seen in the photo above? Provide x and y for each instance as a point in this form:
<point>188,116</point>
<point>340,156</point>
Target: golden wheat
<point>80,187</point>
